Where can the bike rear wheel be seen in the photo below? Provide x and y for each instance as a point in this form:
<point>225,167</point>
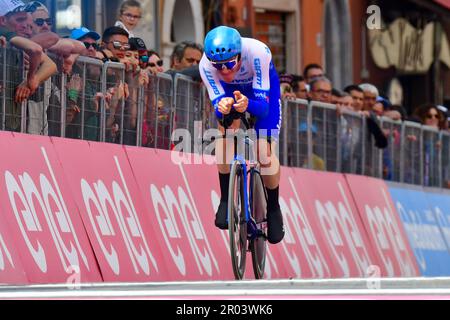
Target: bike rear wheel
<point>237,224</point>
<point>258,246</point>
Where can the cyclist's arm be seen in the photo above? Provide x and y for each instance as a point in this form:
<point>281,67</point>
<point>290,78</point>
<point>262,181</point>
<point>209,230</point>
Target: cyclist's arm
<point>259,107</point>
<point>262,58</point>
<point>212,84</point>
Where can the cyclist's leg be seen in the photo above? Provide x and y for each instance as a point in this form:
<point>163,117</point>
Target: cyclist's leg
<point>224,157</point>
<point>268,133</point>
<point>271,173</point>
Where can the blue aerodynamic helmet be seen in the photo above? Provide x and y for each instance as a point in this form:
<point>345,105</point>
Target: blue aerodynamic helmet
<point>222,44</point>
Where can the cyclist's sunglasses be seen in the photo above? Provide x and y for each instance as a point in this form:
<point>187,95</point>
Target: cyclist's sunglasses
<point>230,65</point>
<point>93,45</point>
<point>120,46</point>
<point>40,22</point>
<point>158,63</point>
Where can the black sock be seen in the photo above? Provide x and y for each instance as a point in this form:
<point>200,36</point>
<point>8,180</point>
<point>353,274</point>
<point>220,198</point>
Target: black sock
<point>273,198</point>
<point>224,186</point>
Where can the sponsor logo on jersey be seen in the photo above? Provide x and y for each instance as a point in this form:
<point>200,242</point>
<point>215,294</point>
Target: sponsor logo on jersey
<point>211,81</point>
<point>258,72</point>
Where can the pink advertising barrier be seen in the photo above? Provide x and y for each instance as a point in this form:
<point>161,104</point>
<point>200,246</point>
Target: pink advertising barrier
<point>118,225</point>
<point>125,214</point>
<point>390,243</point>
<point>323,202</point>
<point>40,214</point>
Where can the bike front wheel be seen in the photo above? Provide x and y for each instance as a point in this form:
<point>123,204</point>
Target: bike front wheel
<point>237,224</point>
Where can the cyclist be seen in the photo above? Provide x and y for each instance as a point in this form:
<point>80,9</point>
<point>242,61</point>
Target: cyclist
<point>240,77</point>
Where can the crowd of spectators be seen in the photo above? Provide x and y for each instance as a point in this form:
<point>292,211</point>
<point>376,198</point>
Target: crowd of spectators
<point>366,101</point>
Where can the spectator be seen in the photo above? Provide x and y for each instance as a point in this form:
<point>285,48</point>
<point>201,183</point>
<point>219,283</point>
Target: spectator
<point>357,95</point>
<point>116,41</point>
<point>431,116</point>
<point>312,71</point>
<point>321,88</point>
<point>401,111</point>
<point>371,94</point>
<point>41,19</point>
<point>445,113</point>
<point>184,60</point>
<point>68,49</point>
<point>155,63</point>
<point>300,88</point>
<point>135,78</point>
<point>157,112</point>
<point>115,44</point>
<point>346,102</point>
<point>336,96</point>
<point>286,89</point>
<point>129,16</point>
<point>12,30</point>
<point>92,92</point>
<point>89,39</point>
<point>15,27</point>
<point>185,54</point>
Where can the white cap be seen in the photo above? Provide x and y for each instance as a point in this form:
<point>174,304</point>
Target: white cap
<point>7,6</point>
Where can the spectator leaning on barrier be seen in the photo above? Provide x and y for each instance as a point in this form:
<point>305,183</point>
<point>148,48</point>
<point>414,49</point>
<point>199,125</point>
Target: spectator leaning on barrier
<point>431,116</point>
<point>116,41</point>
<point>92,91</point>
<point>115,44</point>
<point>156,112</point>
<point>346,102</point>
<point>371,94</point>
<point>186,54</point>
<point>357,95</point>
<point>300,88</point>
<point>445,118</point>
<point>68,49</point>
<point>135,78</point>
<point>130,14</point>
<point>155,63</point>
<point>287,92</point>
<point>89,39</point>
<point>185,59</point>
<point>321,89</point>
<point>15,26</point>
<point>336,96</point>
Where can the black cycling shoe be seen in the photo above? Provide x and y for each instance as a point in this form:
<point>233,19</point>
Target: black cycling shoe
<point>222,216</point>
<point>275,226</point>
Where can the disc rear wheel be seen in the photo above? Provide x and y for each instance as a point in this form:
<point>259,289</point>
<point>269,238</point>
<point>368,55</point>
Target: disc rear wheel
<point>237,224</point>
<point>258,246</point>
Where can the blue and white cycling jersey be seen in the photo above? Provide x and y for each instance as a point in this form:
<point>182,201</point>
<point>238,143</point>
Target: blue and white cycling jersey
<point>257,79</point>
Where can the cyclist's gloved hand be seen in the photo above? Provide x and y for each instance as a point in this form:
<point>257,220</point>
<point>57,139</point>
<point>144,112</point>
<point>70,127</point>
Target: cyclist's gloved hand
<point>241,105</point>
<point>225,106</point>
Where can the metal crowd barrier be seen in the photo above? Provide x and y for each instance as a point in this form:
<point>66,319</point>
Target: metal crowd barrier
<point>89,105</point>
<point>313,136</point>
<point>155,113</point>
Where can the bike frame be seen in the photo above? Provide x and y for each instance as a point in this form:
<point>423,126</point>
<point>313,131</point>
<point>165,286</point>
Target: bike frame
<point>252,228</point>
